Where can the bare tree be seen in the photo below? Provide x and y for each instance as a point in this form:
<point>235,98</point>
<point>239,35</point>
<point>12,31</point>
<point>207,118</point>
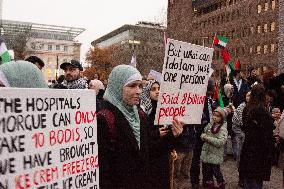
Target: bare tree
<point>16,36</point>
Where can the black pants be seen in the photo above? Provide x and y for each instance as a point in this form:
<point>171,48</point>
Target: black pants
<point>211,170</point>
<point>195,163</point>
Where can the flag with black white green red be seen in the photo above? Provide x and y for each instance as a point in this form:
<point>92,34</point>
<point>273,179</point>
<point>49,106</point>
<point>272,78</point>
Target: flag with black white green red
<point>230,67</point>
<point>237,64</point>
<point>4,54</point>
<point>220,42</point>
<point>218,96</point>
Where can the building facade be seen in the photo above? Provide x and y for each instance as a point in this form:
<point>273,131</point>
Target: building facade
<point>53,44</point>
<point>250,25</point>
<point>145,40</point>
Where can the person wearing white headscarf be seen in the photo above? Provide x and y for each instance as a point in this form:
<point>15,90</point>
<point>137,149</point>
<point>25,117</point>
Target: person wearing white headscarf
<point>96,85</point>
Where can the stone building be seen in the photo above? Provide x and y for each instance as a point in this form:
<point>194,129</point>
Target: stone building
<point>145,40</point>
<point>53,44</point>
<point>250,25</point>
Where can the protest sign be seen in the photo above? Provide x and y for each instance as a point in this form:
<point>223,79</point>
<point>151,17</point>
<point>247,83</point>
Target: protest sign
<point>155,75</point>
<point>48,139</point>
<point>185,77</point>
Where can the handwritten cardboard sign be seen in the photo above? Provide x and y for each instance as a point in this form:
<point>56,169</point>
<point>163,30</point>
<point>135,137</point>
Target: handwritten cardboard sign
<point>156,75</point>
<point>48,139</point>
<point>185,77</point>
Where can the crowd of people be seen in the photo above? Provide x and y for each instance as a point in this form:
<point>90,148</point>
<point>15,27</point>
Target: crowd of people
<point>136,153</point>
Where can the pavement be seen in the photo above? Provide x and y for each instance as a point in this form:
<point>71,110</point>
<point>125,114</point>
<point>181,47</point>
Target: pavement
<point>230,174</point>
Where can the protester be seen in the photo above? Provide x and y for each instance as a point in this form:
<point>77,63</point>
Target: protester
<point>270,98</point>
<point>36,61</point>
<point>276,115</point>
<point>162,138</point>
<point>228,101</point>
<point>214,136</point>
<point>21,74</point>
<point>72,76</point>
<point>256,155</point>
<point>237,122</point>
<point>184,149</point>
<point>209,107</point>
<point>98,86</point>
<point>123,139</point>
<point>253,77</point>
<point>240,88</point>
<point>99,89</point>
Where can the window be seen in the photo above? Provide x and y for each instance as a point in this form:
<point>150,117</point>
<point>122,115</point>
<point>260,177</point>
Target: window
<point>258,49</point>
<point>65,48</point>
<point>272,26</point>
<point>259,29</point>
<point>265,49</point>
<point>266,6</point>
<point>272,47</point>
<point>33,45</point>
<point>49,47</point>
<point>48,61</point>
<point>58,47</point>
<point>273,4</point>
<point>252,30</point>
<point>258,8</point>
<point>251,49</point>
<point>265,28</point>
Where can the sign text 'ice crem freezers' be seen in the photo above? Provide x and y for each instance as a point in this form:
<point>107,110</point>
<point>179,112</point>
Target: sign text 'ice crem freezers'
<point>185,75</point>
<point>48,139</point>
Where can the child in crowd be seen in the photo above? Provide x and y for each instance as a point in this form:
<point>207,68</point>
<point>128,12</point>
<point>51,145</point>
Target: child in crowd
<point>214,136</point>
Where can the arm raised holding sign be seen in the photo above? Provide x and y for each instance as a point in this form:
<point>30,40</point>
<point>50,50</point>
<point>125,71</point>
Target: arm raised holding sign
<point>162,138</point>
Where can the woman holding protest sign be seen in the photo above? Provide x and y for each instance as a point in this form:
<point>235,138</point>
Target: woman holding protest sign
<point>123,132</point>
<point>162,138</point>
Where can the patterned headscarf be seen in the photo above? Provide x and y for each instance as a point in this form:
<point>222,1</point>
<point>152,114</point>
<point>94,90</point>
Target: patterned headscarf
<point>145,100</point>
<point>22,74</point>
<point>118,78</point>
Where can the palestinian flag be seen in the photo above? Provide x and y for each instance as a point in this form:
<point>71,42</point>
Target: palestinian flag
<point>4,54</point>
<point>230,67</point>
<point>220,42</point>
<point>218,96</point>
<point>237,64</point>
<point>226,57</point>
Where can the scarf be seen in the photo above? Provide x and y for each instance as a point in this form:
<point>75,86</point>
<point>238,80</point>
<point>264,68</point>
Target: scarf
<point>238,115</point>
<point>145,100</point>
<point>116,81</point>
<point>22,74</point>
<point>80,83</point>
<point>238,83</point>
<point>216,128</point>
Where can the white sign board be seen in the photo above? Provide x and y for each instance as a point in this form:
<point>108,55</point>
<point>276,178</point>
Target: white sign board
<point>184,83</point>
<point>156,75</point>
<point>48,139</point>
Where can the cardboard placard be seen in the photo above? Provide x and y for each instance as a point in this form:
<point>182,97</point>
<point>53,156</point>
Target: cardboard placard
<point>48,139</point>
<point>184,83</point>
